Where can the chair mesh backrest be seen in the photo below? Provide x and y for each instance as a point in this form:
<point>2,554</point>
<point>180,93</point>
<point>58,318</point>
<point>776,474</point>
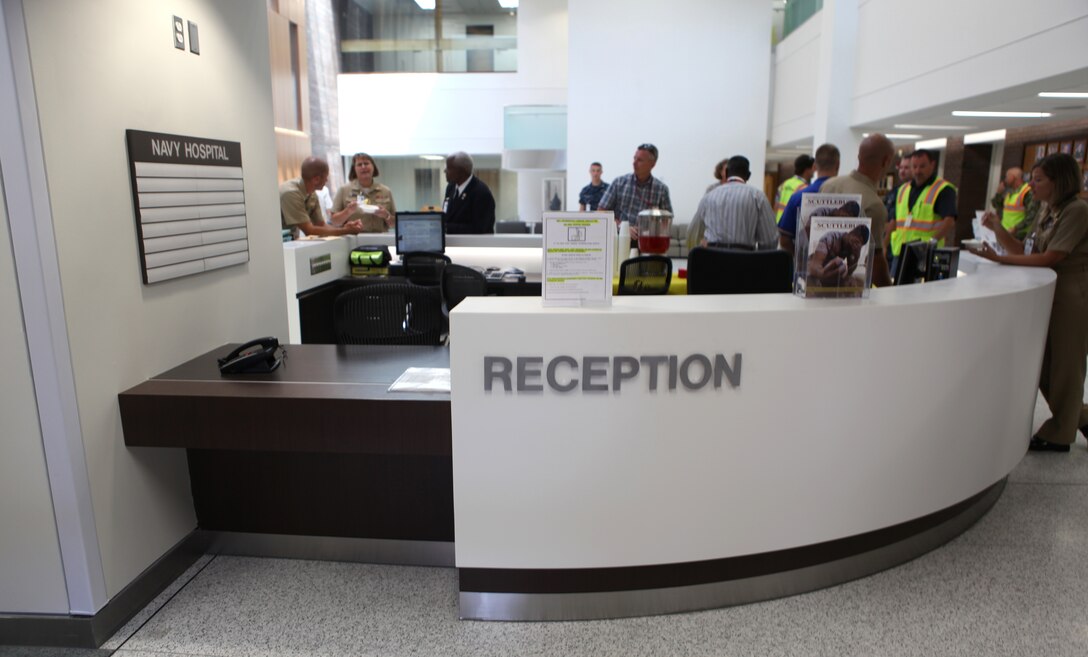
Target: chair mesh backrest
<point>649,274</point>
<point>389,313</point>
<point>733,271</point>
<point>424,267</point>
<point>459,282</point>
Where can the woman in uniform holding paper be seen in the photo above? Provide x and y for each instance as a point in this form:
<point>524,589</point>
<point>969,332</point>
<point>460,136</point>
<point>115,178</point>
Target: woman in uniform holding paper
<point>363,199</point>
<point>1057,239</point>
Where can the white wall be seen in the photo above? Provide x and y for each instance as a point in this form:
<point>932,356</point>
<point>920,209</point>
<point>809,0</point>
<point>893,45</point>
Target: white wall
<point>643,73</point>
<point>794,107</point>
<point>120,331</point>
<point>1007,44</point>
<point>31,575</point>
<point>907,61</point>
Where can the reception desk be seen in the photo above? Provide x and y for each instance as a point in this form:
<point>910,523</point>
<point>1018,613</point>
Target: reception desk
<point>315,460</point>
<point>675,453</point>
<point>663,454</point>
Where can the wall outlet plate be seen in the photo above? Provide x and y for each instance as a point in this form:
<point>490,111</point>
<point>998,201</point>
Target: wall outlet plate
<point>179,33</point>
<point>194,39</point>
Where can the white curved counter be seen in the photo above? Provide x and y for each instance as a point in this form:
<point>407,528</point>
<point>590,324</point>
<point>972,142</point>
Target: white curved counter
<point>859,434</point>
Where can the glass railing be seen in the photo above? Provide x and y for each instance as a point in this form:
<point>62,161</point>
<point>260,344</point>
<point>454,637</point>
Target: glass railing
<point>400,36</point>
<point>797,12</point>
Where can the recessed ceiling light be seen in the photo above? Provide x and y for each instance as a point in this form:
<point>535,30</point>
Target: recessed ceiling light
<point>1010,115</point>
<point>425,4</point>
<point>932,143</point>
<point>901,135</point>
<point>984,137</point>
<point>1063,94</point>
<point>508,4</point>
<point>922,126</point>
<point>433,157</point>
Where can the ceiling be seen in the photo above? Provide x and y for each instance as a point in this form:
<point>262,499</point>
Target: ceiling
<point>1020,98</point>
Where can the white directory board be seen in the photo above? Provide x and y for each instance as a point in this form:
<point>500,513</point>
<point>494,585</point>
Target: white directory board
<point>189,197</point>
<point>578,252</point>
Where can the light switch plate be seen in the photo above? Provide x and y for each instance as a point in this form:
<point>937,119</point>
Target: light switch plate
<point>194,39</point>
<point>179,33</point>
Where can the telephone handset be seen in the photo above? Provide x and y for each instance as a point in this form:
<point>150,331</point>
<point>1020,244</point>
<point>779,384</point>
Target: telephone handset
<point>254,357</point>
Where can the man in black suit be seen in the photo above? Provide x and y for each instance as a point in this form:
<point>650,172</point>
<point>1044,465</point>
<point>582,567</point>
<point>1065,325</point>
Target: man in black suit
<point>468,206</point>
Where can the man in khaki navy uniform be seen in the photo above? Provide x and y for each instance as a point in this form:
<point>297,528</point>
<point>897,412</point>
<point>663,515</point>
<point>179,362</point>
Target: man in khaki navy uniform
<point>802,172</point>
<point>300,208</point>
<point>926,208</point>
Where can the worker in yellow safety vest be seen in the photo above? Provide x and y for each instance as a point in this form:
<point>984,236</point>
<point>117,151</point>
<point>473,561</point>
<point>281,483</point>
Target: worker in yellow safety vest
<point>926,208</point>
<point>802,171</point>
<point>1015,203</point>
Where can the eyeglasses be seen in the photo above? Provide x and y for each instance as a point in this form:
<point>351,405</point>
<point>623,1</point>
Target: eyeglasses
<point>649,148</point>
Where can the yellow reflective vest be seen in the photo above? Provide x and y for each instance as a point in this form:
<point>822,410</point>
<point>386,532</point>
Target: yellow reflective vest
<point>785,191</point>
<point>1014,207</point>
<point>917,223</point>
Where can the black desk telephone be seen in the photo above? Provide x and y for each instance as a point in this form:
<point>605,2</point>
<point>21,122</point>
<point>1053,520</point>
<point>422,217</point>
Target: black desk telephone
<point>258,356</point>
<point>507,274</point>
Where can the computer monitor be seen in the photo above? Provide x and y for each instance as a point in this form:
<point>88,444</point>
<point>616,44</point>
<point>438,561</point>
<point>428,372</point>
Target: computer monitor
<point>913,263</point>
<point>420,231</point>
<point>944,262</point>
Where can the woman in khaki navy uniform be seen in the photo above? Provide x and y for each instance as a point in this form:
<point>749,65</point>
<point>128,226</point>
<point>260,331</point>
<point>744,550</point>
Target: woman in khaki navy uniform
<point>352,200</point>
<point>1058,239</point>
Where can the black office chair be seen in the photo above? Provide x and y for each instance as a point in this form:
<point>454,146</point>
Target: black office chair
<point>511,227</point>
<point>424,267</point>
<point>734,271</point>
<point>459,282</point>
<point>648,274</point>
<point>389,313</point>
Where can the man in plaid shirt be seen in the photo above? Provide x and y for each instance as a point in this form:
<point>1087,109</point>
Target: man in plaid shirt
<point>632,193</point>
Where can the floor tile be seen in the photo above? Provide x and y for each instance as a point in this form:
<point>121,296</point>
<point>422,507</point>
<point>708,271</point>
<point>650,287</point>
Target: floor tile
<point>144,653</point>
<point>1013,584</point>
<point>962,599</point>
<point>1034,515</point>
<point>137,621</point>
<point>1054,467</point>
<point>34,651</point>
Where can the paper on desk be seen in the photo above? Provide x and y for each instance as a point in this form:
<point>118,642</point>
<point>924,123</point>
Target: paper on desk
<point>423,379</point>
<point>984,234</point>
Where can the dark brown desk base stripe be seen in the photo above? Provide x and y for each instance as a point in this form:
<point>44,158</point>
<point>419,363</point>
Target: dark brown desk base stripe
<point>320,494</point>
<point>634,578</point>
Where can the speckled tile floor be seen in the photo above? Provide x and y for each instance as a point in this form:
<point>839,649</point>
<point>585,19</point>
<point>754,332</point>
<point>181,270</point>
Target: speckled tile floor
<point>1014,584</point>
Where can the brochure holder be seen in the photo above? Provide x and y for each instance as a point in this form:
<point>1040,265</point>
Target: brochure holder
<point>834,250</point>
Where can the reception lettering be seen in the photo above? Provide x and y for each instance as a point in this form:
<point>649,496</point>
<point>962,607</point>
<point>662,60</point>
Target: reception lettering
<point>609,373</point>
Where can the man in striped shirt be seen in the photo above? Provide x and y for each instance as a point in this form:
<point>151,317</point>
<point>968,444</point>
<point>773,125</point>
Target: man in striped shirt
<point>632,193</point>
<point>737,215</point>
